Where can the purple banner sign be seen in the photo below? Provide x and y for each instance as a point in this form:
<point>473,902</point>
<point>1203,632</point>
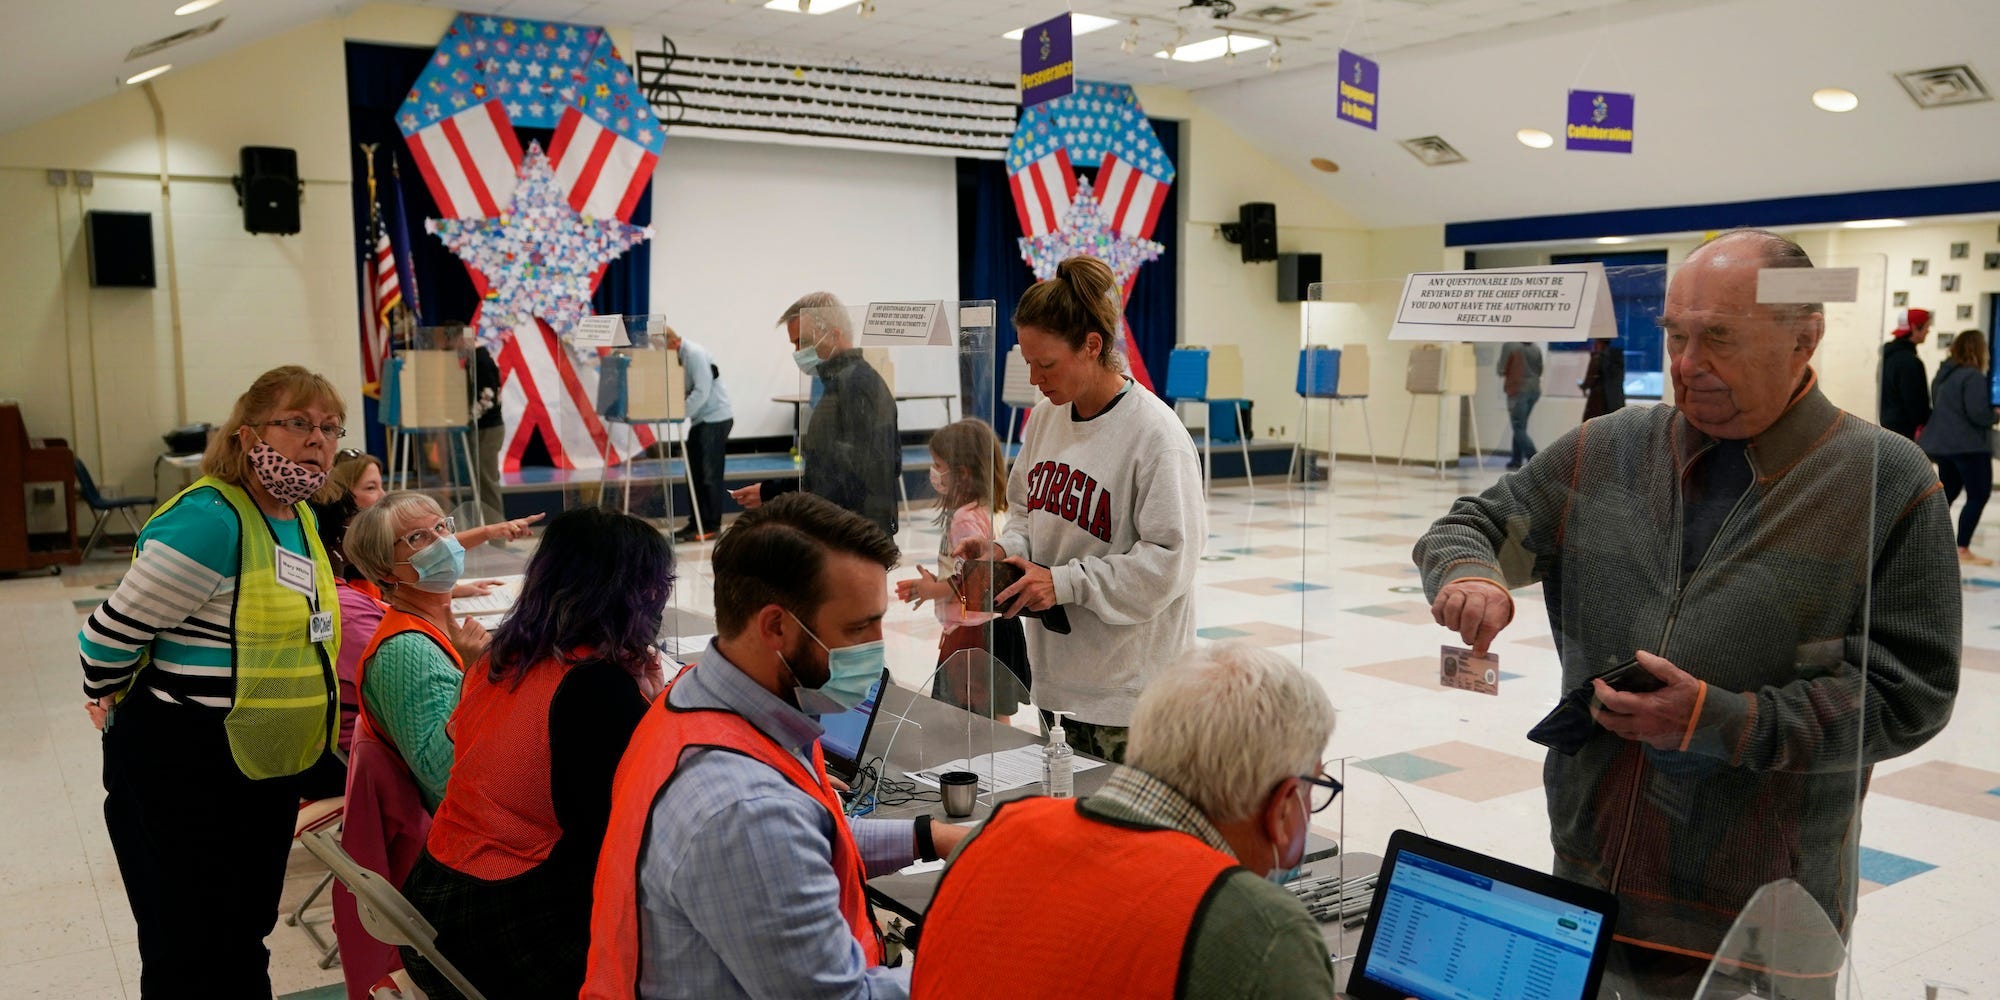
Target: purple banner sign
<point>1599,121</point>
<point>1360,81</point>
<point>1047,72</point>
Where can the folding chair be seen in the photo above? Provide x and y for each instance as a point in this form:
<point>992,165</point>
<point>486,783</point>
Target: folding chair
<point>101,506</point>
<point>388,917</point>
<point>319,814</point>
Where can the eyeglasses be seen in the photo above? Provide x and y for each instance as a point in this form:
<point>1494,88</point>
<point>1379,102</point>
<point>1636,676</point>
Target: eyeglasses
<point>1324,790</point>
<point>348,454</point>
<point>302,426</point>
<point>424,536</point>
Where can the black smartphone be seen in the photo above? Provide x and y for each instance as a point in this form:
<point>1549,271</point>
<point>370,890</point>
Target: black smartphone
<point>1631,677</point>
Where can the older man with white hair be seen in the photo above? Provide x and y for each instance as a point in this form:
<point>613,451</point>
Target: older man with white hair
<point>1161,883</point>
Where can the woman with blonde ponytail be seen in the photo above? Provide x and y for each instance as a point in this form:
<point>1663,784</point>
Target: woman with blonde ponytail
<point>1108,521</point>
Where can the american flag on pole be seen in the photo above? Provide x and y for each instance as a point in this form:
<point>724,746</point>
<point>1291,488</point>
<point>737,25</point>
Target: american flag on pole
<point>487,77</point>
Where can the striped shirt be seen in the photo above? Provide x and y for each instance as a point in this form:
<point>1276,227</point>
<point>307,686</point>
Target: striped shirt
<point>177,603</point>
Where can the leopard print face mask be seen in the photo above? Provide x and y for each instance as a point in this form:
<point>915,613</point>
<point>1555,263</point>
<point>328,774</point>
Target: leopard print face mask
<point>287,481</point>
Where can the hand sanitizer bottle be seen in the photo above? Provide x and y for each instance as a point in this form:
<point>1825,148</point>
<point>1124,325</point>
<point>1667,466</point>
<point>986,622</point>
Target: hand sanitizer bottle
<point>1056,760</point>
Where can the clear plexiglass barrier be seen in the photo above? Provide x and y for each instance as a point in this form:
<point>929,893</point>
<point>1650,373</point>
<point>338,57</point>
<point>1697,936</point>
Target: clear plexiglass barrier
<point>897,427</point>
<point>1697,506</point>
<point>428,405</point>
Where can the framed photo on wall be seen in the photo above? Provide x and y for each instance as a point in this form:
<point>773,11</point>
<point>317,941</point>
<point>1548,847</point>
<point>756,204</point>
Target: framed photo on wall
<point>1960,251</point>
<point>1920,267</point>
<point>1948,283</point>
<point>1964,312</point>
<point>1944,340</point>
<point>1901,299</point>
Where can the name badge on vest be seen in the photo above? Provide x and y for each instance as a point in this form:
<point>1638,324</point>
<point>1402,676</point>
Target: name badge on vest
<point>319,628</point>
<point>295,573</point>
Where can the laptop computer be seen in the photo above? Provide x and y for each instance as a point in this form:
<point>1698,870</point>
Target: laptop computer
<point>1453,924</point>
<point>845,741</point>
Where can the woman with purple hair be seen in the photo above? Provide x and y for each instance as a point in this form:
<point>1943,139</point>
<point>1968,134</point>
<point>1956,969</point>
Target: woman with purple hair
<point>541,724</point>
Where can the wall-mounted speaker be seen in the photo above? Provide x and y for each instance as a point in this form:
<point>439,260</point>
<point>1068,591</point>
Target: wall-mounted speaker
<point>269,189</point>
<point>1257,226</point>
<point>121,249</point>
<point>1297,273</point>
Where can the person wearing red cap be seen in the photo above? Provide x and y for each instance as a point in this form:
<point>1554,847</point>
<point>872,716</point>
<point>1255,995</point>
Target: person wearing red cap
<point>1906,397</point>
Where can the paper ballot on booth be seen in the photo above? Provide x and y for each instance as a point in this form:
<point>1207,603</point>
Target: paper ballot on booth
<point>1554,302</point>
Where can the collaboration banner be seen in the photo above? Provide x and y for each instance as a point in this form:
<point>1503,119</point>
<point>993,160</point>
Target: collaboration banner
<point>1599,122</point>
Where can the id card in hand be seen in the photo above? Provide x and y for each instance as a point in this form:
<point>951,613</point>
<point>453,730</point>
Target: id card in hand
<point>1468,671</point>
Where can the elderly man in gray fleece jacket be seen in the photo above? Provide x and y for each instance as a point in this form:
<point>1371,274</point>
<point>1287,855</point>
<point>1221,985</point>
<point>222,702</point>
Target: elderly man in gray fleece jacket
<point>1786,571</point>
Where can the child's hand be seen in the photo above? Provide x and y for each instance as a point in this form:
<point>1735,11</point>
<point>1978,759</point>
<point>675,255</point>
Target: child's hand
<point>925,588</point>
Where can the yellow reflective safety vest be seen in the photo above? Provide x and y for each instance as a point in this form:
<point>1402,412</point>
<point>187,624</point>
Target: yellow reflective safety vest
<point>285,709</point>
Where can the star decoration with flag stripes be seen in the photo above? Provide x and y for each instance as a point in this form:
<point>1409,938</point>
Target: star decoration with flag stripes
<point>539,258</point>
<point>1085,232</point>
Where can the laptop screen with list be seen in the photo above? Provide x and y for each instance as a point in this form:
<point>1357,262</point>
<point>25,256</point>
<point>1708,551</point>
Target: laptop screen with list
<point>1445,932</point>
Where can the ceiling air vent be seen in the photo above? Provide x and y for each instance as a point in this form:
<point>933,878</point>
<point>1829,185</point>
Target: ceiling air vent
<point>1433,150</point>
<point>1944,86</point>
<point>1274,15</point>
<point>174,39</point>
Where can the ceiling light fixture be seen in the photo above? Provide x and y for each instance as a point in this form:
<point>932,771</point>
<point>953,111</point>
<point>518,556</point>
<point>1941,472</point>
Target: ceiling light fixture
<point>1873,224</point>
<point>194,7</point>
<point>813,7</point>
<point>1835,99</point>
<point>1079,24</point>
<point>1535,138</point>
<point>1612,241</point>
<point>1213,48</point>
<point>148,74</point>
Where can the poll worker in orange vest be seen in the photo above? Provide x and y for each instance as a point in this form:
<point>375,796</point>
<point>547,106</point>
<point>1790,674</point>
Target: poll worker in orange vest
<point>409,675</point>
<point>505,876</point>
<point>728,869</point>
<point>1162,883</point>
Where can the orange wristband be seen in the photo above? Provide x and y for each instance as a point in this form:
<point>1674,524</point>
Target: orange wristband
<point>1700,698</point>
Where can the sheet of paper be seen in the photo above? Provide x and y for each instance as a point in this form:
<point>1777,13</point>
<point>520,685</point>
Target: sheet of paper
<point>686,648</point>
<point>496,602</point>
<point>1003,771</point>
<point>922,867</point>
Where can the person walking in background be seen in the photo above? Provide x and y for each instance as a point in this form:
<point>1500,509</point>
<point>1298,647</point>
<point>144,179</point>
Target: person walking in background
<point>1603,382</point>
<point>1520,372</point>
<point>1959,435</point>
<point>709,420</point>
<point>1906,405</point>
<point>489,425</point>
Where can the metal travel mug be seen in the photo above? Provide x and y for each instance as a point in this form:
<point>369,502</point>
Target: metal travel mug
<point>960,790</point>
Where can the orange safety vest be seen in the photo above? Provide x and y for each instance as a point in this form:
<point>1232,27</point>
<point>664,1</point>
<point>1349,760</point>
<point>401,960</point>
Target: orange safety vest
<point>502,820</point>
<point>650,763</point>
<point>1003,923</point>
<point>395,622</point>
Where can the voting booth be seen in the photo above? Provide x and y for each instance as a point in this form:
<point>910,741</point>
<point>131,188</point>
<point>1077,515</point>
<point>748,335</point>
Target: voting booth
<point>427,391</point>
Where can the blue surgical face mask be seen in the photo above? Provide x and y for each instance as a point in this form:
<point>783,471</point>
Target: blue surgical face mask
<point>851,673</point>
<point>807,358</point>
<point>1280,873</point>
<point>439,565</point>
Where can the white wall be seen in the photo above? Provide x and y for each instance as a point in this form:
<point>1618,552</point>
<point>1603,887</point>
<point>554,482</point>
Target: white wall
<point>98,366</point>
<point>744,229</point>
